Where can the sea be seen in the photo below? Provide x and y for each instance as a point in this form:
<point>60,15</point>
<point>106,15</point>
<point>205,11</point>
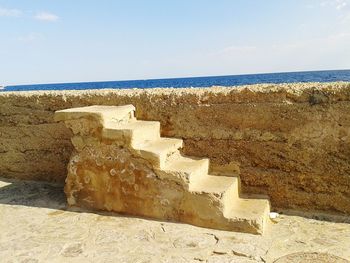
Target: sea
<point>232,80</point>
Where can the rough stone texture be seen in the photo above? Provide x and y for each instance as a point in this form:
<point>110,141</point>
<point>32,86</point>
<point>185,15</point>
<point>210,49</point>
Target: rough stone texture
<point>110,178</point>
<point>36,226</point>
<point>288,141</point>
<point>112,169</point>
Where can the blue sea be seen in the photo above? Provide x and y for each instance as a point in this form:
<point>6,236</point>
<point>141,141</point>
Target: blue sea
<point>233,80</point>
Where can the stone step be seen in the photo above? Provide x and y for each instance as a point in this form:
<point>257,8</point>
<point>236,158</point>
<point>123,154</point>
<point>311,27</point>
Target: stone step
<point>225,212</point>
<point>158,151</point>
<point>100,113</point>
<point>183,169</point>
<point>132,133</point>
<point>248,214</point>
<point>214,184</point>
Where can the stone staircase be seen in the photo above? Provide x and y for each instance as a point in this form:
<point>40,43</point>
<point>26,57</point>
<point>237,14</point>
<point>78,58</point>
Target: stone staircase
<point>122,164</point>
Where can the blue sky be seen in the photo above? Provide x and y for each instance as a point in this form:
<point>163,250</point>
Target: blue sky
<point>72,41</point>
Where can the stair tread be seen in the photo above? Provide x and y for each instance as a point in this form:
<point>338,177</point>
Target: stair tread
<point>249,209</point>
<point>134,132</point>
<point>213,184</point>
<point>112,112</point>
<point>186,164</point>
<point>161,145</point>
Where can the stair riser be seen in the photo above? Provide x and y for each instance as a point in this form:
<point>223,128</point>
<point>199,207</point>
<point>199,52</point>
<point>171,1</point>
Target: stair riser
<point>196,169</point>
<point>160,160</point>
<point>164,158</point>
<point>231,196</point>
<point>139,136</point>
<point>265,219</point>
<point>201,171</point>
<point>130,137</point>
<point>128,117</point>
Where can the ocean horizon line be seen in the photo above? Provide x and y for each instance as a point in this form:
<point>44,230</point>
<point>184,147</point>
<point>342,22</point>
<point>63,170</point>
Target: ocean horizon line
<point>202,81</point>
<point>173,78</point>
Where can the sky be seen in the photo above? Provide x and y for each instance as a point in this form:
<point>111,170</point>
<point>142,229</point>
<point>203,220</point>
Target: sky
<point>73,41</point>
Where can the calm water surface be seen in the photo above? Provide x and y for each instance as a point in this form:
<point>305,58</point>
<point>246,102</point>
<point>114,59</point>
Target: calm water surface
<point>234,80</point>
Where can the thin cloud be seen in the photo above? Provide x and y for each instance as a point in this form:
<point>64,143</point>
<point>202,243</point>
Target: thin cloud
<point>10,12</point>
<point>46,16</point>
<point>341,4</point>
<point>337,4</point>
<point>30,38</point>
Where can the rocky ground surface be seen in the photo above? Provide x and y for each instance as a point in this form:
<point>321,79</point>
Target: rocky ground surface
<point>36,226</point>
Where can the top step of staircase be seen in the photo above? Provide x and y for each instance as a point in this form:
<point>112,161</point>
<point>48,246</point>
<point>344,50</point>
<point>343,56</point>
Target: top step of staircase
<point>100,113</point>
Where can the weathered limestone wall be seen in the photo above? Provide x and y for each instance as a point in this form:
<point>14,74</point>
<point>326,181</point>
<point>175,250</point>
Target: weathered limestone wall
<point>291,142</point>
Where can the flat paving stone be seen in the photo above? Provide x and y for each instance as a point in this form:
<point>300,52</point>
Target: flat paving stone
<point>310,258</point>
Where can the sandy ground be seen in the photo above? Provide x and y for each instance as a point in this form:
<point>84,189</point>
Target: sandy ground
<point>36,226</point>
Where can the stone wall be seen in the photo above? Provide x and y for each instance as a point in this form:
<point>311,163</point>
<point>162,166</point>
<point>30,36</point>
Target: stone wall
<point>291,142</point>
